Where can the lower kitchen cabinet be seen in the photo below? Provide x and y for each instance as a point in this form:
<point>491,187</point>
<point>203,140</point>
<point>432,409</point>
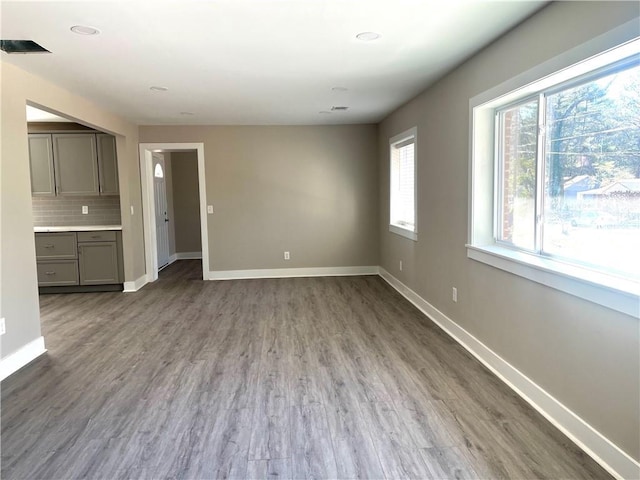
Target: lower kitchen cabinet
<point>79,261</point>
<point>98,263</point>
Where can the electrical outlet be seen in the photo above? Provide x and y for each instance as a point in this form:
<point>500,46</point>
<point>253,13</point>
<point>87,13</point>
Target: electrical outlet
<point>85,209</point>
<point>400,265</point>
<point>3,328</point>
<point>454,294</point>
<point>287,256</point>
<point>209,209</point>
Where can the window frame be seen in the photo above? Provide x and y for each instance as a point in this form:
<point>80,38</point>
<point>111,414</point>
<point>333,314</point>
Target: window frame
<point>572,67</point>
<point>398,229</point>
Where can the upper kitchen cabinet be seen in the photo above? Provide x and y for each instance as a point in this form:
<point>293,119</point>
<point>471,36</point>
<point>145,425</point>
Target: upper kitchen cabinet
<point>41,165</point>
<point>76,168</point>
<point>107,164</point>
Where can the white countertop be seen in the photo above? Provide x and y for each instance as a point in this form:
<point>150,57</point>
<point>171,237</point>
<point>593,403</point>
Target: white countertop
<point>78,228</point>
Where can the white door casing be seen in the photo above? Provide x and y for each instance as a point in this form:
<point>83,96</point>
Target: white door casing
<point>148,203</point>
<point>160,202</point>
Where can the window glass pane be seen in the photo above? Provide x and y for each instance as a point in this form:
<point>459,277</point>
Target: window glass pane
<point>519,132</point>
<point>403,186</point>
<point>592,173</point>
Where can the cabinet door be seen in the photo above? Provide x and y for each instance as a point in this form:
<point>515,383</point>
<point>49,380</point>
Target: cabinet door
<point>76,164</point>
<point>98,263</point>
<point>107,164</point>
<point>41,164</point>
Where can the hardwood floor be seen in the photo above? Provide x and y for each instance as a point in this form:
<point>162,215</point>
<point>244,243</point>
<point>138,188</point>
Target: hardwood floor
<point>276,378</point>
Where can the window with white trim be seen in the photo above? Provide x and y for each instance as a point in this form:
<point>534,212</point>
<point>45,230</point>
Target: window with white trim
<point>560,160</point>
<point>402,195</point>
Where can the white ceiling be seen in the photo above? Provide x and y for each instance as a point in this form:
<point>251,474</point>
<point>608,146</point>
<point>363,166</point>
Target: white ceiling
<point>238,62</point>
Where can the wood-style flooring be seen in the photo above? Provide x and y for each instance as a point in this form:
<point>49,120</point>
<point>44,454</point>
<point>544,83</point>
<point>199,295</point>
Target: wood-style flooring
<point>273,378</point>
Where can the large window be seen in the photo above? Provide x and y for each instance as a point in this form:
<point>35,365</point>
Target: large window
<point>556,177</point>
<point>569,171</point>
<point>402,208</point>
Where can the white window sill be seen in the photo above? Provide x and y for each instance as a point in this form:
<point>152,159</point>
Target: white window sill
<point>403,232</point>
<point>612,292</point>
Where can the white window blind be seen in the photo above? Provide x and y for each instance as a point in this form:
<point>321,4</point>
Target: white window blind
<point>403,183</point>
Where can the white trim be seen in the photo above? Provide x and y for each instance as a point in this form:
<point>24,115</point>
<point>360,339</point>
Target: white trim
<point>612,292</point>
<point>18,359</point>
<point>148,206</point>
<point>596,445</point>
<point>130,287</point>
<point>172,258</point>
<point>188,255</point>
<point>293,272</point>
<point>403,232</point>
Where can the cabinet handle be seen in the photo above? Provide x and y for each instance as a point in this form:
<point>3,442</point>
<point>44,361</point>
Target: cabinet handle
<point>49,273</point>
<point>48,245</point>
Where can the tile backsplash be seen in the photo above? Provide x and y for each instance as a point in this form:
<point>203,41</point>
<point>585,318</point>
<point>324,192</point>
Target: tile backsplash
<point>67,211</point>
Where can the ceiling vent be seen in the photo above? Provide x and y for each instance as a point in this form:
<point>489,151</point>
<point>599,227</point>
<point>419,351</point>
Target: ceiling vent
<point>339,109</point>
<point>21,46</point>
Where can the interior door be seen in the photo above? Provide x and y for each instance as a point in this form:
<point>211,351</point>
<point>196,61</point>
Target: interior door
<point>162,221</point>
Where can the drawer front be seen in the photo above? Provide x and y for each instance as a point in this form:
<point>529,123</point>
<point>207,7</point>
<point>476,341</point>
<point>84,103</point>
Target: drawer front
<point>56,246</point>
<point>97,236</point>
<point>62,272</point>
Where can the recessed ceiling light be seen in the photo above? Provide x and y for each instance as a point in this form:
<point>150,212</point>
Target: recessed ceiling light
<point>368,36</point>
<point>156,88</point>
<point>84,30</point>
<point>186,113</point>
<point>339,89</point>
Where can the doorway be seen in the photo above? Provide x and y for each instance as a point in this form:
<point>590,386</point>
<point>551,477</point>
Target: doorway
<point>150,211</point>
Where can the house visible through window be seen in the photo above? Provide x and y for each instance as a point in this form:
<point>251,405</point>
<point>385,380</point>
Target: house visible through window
<point>402,216</point>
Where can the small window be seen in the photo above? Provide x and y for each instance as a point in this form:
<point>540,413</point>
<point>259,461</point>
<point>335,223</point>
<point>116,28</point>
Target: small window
<point>158,173</point>
<point>402,208</point>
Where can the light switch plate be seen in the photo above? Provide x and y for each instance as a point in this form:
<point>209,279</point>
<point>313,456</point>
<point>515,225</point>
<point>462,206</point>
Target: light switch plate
<point>85,209</point>
<point>209,208</point>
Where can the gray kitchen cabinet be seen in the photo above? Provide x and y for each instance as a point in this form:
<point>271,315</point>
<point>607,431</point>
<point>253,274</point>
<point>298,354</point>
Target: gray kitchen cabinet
<point>107,164</point>
<point>41,165</point>
<point>76,168</point>
<point>98,263</point>
<point>79,261</point>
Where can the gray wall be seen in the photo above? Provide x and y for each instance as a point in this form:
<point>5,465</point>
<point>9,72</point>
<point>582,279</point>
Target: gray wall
<point>18,282</point>
<point>186,206</point>
<point>311,190</point>
<point>583,354</point>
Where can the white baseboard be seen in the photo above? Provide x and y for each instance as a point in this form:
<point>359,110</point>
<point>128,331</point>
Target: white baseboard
<point>18,359</point>
<point>188,256</point>
<point>172,258</point>
<point>130,287</point>
<point>596,445</point>
<point>292,272</point>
